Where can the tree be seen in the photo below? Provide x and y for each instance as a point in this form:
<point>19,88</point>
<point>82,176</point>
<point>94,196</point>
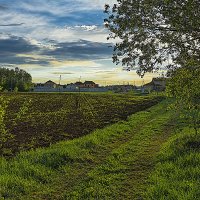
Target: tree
<point>15,89</point>
<point>185,86</point>
<point>161,33</point>
<point>154,33</point>
<point>10,79</point>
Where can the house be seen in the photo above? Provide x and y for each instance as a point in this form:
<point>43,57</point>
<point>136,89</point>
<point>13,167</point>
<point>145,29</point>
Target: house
<point>79,84</point>
<point>70,87</point>
<point>86,84</point>
<point>37,85</point>
<point>157,84</point>
<point>90,84</point>
<point>50,84</point>
<point>121,88</point>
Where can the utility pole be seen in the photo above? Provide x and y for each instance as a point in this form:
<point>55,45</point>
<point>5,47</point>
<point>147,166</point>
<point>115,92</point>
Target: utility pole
<point>78,97</point>
<point>143,83</point>
<point>143,86</point>
<point>59,82</point>
<point>79,89</point>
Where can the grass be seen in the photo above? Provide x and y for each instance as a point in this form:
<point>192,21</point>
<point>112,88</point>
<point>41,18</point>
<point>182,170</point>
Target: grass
<point>177,173</point>
<point>123,174</point>
<point>110,163</point>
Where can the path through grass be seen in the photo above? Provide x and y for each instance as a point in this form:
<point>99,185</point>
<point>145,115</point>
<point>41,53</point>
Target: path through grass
<point>112,163</point>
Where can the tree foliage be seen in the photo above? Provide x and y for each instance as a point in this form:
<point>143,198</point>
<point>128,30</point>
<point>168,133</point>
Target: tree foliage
<point>161,33</point>
<point>185,86</point>
<point>18,80</point>
<point>154,33</point>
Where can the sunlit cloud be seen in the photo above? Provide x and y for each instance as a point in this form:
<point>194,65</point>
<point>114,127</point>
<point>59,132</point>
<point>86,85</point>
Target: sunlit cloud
<point>62,73</point>
<point>73,63</point>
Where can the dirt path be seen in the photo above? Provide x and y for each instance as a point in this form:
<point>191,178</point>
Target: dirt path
<point>136,182</point>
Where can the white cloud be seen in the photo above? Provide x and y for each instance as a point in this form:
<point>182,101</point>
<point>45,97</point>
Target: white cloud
<point>27,20</point>
<point>39,28</point>
<point>64,7</point>
<point>63,34</point>
<point>87,28</point>
<point>36,25</point>
<point>94,4</point>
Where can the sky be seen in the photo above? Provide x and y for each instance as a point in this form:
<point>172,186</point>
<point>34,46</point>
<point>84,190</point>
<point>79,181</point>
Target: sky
<point>49,38</point>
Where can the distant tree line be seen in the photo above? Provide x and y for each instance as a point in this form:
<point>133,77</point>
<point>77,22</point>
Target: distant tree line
<point>15,80</point>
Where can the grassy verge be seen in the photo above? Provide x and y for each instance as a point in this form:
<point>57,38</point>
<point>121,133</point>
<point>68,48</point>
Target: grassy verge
<point>177,173</point>
<point>111,163</point>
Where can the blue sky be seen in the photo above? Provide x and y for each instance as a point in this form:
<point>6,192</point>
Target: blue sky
<point>49,38</point>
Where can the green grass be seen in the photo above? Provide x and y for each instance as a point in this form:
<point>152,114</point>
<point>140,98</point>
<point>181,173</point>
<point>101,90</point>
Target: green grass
<point>110,163</point>
<point>177,173</point>
<point>133,159</point>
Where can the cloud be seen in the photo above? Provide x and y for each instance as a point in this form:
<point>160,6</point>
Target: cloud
<point>13,60</point>
<point>73,33</point>
<point>28,20</point>
<point>14,45</point>
<point>51,37</point>
<point>17,50</point>
<point>62,73</point>
<point>80,50</point>
<point>20,24</point>
<point>52,13</point>
<point>11,47</point>
<point>3,7</point>
<point>87,28</point>
<point>48,19</point>
<point>105,72</point>
<point>73,63</point>
<point>62,7</point>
